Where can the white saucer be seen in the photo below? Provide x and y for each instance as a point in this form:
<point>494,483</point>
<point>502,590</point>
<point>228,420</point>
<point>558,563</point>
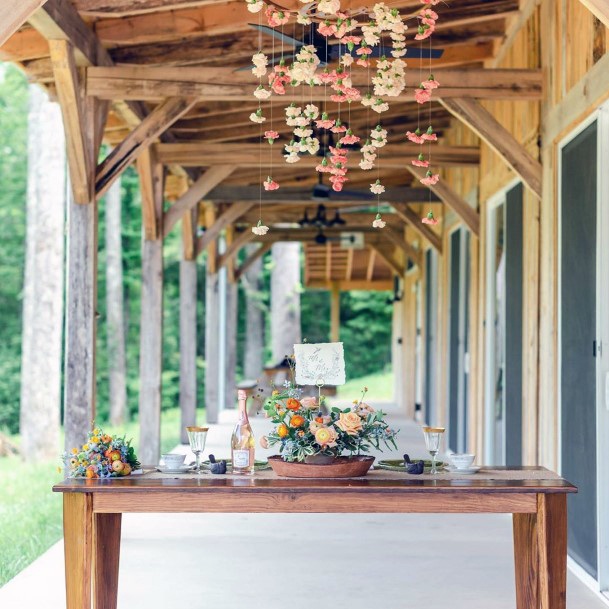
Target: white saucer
<point>470,470</point>
<point>169,470</point>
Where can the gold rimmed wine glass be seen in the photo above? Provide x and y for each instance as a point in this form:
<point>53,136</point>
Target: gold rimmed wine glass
<point>197,437</point>
<point>433,437</point>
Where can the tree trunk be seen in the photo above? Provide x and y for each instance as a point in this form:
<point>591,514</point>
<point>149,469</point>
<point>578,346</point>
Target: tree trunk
<point>285,299</point>
<point>188,346</point>
<point>117,369</point>
<point>43,282</point>
<point>254,335</point>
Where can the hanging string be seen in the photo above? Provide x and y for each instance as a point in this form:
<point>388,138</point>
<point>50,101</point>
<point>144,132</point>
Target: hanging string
<point>260,127</point>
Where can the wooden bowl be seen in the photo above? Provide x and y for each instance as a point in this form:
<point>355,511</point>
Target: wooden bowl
<point>342,467</point>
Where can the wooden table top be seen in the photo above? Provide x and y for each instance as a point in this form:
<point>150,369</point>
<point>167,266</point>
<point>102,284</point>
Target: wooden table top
<point>389,482</point>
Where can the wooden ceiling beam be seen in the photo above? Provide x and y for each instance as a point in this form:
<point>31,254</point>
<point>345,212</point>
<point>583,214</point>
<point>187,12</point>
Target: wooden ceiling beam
<point>202,154</point>
<point>381,285</point>
<point>599,8</point>
<point>470,216</point>
<point>13,14</point>
<point>396,238</point>
<point>206,182</point>
<point>156,123</point>
<point>475,116</point>
<point>241,240</point>
<point>388,258</point>
<point>412,219</point>
<point>247,263</point>
<point>231,215</point>
<point>224,84</point>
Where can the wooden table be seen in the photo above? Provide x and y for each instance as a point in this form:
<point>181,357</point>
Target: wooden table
<point>93,508</point>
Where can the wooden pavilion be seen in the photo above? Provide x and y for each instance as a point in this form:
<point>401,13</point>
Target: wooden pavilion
<point>522,80</point>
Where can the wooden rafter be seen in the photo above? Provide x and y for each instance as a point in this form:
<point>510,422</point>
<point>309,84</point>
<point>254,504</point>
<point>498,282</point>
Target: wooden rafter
<point>371,261</point>
<point>410,217</point>
<point>241,240</point>
<point>79,150</point>
<point>401,243</point>
<point>486,126</point>
<point>224,84</point>
<point>263,249</point>
<point>158,121</point>
<point>388,258</point>
<point>231,215</point>
<point>203,154</point>
<point>470,216</point>
<point>206,182</point>
<point>599,8</point>
<point>13,14</point>
<point>151,175</point>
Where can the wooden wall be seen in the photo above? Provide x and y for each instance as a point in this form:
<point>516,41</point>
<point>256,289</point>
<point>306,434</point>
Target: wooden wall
<point>569,44</point>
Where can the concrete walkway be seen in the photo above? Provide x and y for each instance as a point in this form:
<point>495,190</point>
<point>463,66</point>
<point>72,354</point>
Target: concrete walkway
<point>298,561</point>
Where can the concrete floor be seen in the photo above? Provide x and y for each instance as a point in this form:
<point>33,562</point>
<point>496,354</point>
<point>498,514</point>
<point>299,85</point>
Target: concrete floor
<point>300,561</point>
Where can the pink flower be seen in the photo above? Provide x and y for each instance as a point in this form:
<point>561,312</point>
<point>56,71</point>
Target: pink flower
<point>428,13</point>
<point>425,31</point>
<point>338,127</point>
<point>271,135</point>
<point>430,179</point>
<point>420,162</point>
<point>326,29</point>
<point>431,2</point>
<point>363,51</point>
<point>416,137</point>
<point>276,17</point>
<point>338,98</point>
<point>363,62</point>
<point>429,219</point>
<point>270,184</point>
<point>349,138</point>
<point>350,41</point>
<point>431,83</point>
<point>422,95</point>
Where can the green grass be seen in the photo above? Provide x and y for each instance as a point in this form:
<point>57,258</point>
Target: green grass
<point>380,388</point>
<point>30,514</point>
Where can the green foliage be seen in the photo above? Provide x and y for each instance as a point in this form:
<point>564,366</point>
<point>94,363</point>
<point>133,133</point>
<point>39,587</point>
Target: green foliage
<point>13,181</point>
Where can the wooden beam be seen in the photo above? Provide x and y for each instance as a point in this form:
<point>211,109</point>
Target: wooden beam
<point>263,249</point>
<point>242,239</point>
<point>382,285</point>
<point>189,233</point>
<point>224,84</point>
<point>59,20</point>
<point>335,313</point>
<point>231,215</point>
<point>388,258</point>
<point>209,180</point>
<point>486,126</point>
<point>204,154</point>
<point>126,8</point>
<point>412,218</point>
<point>79,151</point>
<point>13,14</point>
<point>401,243</point>
<point>209,211</point>
<point>470,216</point>
<point>371,261</point>
<point>157,122</point>
<point>151,175</point>
<point>599,8</point>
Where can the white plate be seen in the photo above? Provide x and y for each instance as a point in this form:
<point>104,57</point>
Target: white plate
<point>469,470</point>
<point>180,470</point>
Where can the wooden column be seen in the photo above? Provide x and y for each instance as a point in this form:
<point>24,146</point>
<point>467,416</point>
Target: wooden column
<point>397,361</point>
<point>335,313</point>
<point>151,321</point>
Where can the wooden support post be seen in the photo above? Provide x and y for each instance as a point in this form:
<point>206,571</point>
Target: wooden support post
<point>207,182</point>
<point>412,219</point>
<point>233,213</point>
<point>151,321</point>
<point>13,14</point>
<point>81,302</point>
<point>156,123</point>
<point>448,196</point>
<point>335,313</point>
<point>599,8</point>
<point>488,128</point>
<point>397,360</point>
<point>188,345</point>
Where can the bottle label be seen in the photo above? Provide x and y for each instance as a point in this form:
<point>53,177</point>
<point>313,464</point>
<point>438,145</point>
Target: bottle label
<point>241,458</point>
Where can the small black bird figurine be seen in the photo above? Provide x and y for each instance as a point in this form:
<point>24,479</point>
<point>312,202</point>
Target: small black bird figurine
<point>413,467</point>
<point>216,467</point>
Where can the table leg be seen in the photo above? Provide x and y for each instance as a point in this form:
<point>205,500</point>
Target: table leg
<point>107,546</point>
<point>526,560</point>
<point>552,543</point>
<point>77,533</point>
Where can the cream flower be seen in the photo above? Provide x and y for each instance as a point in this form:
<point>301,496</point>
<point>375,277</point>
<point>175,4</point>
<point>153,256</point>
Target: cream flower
<point>254,6</point>
<point>329,7</point>
<point>256,117</point>
<point>378,222</point>
<point>262,93</point>
<point>327,436</point>
<point>377,188</point>
<point>350,423</point>
<point>260,229</point>
<point>309,402</point>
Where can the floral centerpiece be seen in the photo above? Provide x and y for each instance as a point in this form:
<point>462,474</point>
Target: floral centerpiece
<point>305,433</point>
<point>102,456</point>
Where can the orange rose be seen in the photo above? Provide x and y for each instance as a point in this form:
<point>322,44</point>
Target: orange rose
<point>350,423</point>
<point>297,421</point>
<point>293,404</point>
<point>282,430</point>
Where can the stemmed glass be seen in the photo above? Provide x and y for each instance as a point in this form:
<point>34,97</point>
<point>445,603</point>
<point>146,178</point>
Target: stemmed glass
<point>197,437</point>
<point>433,436</point>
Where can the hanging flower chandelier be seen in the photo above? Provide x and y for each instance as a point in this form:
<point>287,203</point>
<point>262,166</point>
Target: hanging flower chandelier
<point>371,39</point>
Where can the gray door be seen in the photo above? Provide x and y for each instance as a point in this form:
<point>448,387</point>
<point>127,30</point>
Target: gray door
<point>578,333</point>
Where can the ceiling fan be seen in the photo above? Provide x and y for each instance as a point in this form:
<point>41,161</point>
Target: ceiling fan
<point>328,53</point>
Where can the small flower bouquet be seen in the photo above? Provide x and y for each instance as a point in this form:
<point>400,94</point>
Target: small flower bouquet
<point>102,456</point>
<point>303,430</point>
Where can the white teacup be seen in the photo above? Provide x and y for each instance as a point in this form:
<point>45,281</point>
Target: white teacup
<point>172,460</point>
<point>462,460</point>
